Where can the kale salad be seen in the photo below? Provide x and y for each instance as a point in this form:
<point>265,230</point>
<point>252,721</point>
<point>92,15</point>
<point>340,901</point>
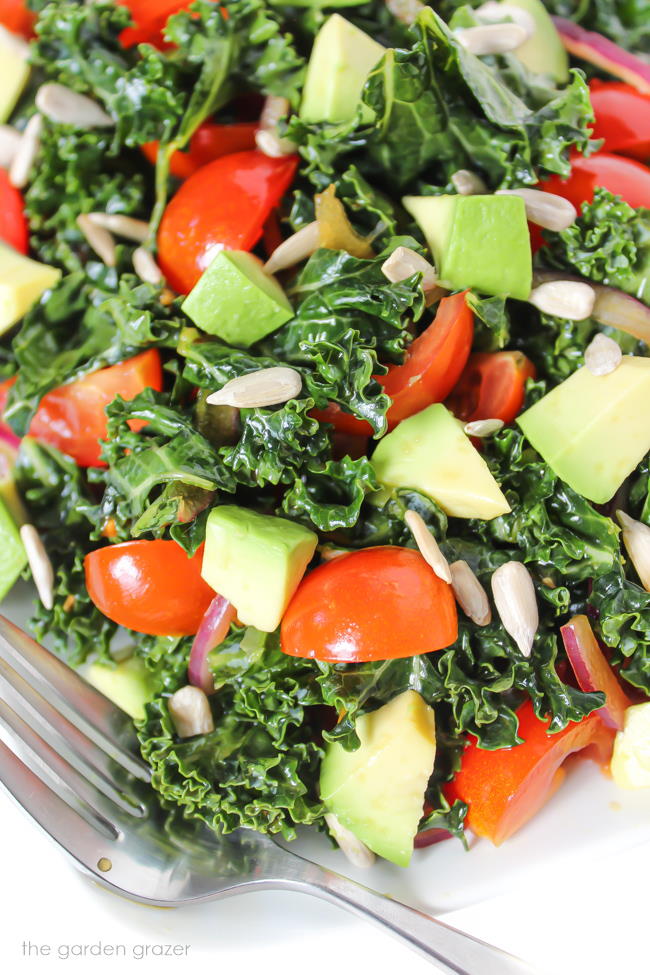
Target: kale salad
<point>325,396</point>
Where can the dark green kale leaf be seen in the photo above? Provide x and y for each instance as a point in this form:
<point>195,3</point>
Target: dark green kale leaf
<point>622,611</point>
<point>349,321</point>
<point>557,532</point>
<point>78,327</point>
<point>331,496</point>
<point>259,767</point>
<point>608,243</point>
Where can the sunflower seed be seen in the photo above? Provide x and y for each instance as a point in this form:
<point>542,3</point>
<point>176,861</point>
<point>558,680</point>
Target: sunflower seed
<point>26,153</point>
<point>573,300</point>
<point>516,603</point>
<point>492,38</point>
<point>470,594</point>
<point>14,43</point>
<point>39,563</point>
<point>121,225</point>
<point>266,387</point>
<point>294,249</point>
<point>429,548</point>
<point>275,107</point>
<point>405,11</point>
<point>404,262</point>
<point>547,210</point>
<point>636,538</point>
<point>603,355</point>
<point>9,142</point>
<point>495,12</point>
<point>357,852</point>
<point>146,267</point>
<point>190,711</point>
<point>483,428</point>
<point>273,145</point>
<point>101,241</point>
<point>68,107</point>
<point>468,183</point>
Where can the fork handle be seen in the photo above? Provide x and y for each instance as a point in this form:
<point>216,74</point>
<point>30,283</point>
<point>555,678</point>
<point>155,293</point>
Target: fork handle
<point>452,951</point>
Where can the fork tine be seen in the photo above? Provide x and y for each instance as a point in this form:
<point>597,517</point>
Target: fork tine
<point>57,768</point>
<point>98,717</point>
<point>96,763</point>
<point>75,834</point>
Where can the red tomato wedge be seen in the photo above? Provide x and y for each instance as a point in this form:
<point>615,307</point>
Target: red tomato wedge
<point>209,142</point>
<point>72,417</point>
<point>223,206</point>
<point>623,177</point>
<point>15,16</point>
<point>376,604</point>
<point>13,224</point>
<point>151,587</point>
<point>492,386</point>
<point>434,362</point>
<point>622,118</point>
<point>149,19</point>
<point>592,670</point>
<point>505,788</point>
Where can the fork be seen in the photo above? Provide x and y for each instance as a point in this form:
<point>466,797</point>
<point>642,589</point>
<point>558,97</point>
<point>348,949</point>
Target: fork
<point>75,767</point>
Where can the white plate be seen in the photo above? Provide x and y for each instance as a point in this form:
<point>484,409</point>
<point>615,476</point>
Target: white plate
<point>587,828</point>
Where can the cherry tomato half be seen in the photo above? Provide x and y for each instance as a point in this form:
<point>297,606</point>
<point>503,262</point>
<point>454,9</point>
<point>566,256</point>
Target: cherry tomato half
<point>223,206</point>
<point>209,142</point>
<point>149,19</point>
<point>72,418</point>
<point>505,788</point>
<point>492,387</point>
<point>433,364</point>
<point>623,177</point>
<point>151,587</point>
<point>622,118</point>
<point>375,604</point>
<point>15,16</point>
<point>13,224</point>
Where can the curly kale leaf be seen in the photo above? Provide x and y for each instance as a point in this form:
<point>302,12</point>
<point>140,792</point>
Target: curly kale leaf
<point>558,532</point>
<point>259,767</point>
<point>608,243</point>
<point>622,611</point>
<point>331,496</point>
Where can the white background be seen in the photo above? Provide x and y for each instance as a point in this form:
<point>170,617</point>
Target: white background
<point>586,917</point>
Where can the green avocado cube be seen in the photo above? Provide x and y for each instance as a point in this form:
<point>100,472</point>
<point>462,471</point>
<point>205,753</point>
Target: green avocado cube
<point>22,282</point>
<point>256,562</point>
<point>14,72</point>
<point>128,684</point>
<point>341,59</point>
<point>543,52</point>
<point>377,791</point>
<point>478,241</point>
<point>237,300</point>
<point>14,557</point>
<point>593,430</point>
<point>431,453</point>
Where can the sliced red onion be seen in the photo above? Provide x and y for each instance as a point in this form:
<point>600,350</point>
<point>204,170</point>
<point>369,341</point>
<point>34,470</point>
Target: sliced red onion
<point>593,671</point>
<point>8,437</point>
<point>620,310</point>
<point>430,836</point>
<point>212,631</point>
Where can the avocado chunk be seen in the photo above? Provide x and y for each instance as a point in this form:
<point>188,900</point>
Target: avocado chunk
<point>341,59</point>
<point>127,684</point>
<point>14,557</point>
<point>255,561</point>
<point>544,52</point>
<point>430,452</point>
<point>14,71</point>
<point>22,282</point>
<point>237,300</point>
<point>478,241</point>
<point>377,791</point>
<point>12,516</point>
<point>593,430</point>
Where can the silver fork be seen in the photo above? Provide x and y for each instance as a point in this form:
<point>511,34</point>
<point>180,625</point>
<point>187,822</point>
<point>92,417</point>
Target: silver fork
<point>74,766</point>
